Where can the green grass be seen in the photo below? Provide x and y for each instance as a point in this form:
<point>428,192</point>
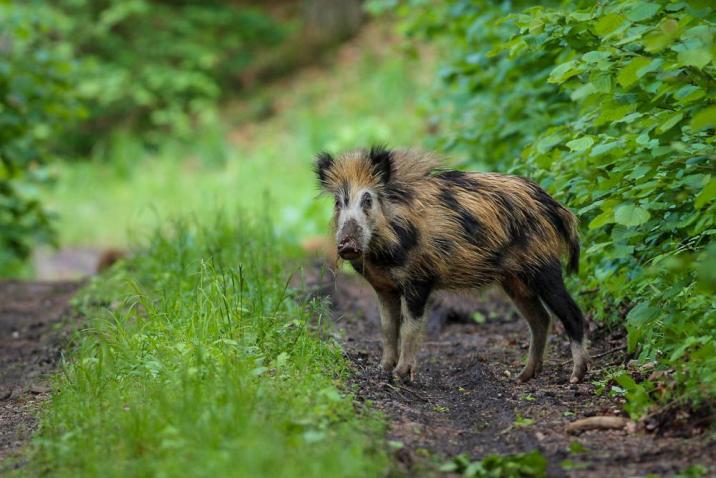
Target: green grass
<point>197,360</point>
<point>367,95</point>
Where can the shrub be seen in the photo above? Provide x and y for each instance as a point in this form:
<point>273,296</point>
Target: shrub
<point>611,107</point>
<point>159,65</point>
<point>36,100</point>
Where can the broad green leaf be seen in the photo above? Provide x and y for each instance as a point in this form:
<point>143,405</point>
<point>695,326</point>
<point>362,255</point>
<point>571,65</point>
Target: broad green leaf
<point>706,118</point>
<point>563,72</point>
<point>581,144</point>
<point>706,195</point>
<point>604,148</point>
<point>609,24</point>
<point>671,121</point>
<point>659,39</point>
<point>629,74</point>
<point>630,215</point>
<point>607,217</point>
<point>689,93</point>
<point>643,11</point>
<point>698,58</point>
<point>595,55</point>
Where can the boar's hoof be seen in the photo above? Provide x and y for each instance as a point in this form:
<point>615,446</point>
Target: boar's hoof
<point>387,365</point>
<point>580,370</point>
<point>530,371</point>
<point>404,372</point>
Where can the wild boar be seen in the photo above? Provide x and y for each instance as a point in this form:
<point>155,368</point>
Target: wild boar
<point>410,227</point>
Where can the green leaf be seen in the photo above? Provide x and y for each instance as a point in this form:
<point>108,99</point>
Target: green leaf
<point>563,72</point>
<point>609,24</point>
<point>630,215</point>
<point>699,57</point>
<point>607,217</point>
<point>643,11</point>
<point>707,194</point>
<point>673,120</point>
<point>601,149</point>
<point>689,93</point>
<point>581,144</point>
<point>706,118</point>
<point>630,73</point>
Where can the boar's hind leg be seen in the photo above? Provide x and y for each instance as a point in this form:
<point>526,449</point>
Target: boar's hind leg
<point>412,328</point>
<point>389,303</point>
<point>538,319</point>
<point>550,287</point>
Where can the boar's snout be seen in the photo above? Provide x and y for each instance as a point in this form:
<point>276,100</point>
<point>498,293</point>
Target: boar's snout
<point>347,239</point>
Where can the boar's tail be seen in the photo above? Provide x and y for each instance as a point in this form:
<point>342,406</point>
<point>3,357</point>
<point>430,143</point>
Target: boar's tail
<point>570,233</point>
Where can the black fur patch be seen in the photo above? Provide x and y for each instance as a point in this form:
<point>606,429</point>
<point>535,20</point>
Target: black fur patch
<point>551,209</point>
<point>395,255</point>
<point>549,285</point>
<point>397,193</point>
<point>382,160</point>
<point>323,163</point>
<point>459,179</point>
<point>407,234</point>
<point>417,293</point>
<point>470,224</point>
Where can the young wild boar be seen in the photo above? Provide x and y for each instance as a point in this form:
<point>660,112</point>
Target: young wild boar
<point>410,228</point>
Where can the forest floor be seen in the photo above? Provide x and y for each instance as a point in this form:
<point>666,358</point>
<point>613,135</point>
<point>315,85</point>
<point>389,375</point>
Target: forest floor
<point>34,327</point>
<point>466,399</point>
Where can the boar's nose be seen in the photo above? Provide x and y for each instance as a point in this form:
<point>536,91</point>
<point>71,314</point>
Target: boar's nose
<point>348,240</point>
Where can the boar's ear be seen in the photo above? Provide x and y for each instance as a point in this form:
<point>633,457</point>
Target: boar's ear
<point>382,160</point>
<point>324,162</point>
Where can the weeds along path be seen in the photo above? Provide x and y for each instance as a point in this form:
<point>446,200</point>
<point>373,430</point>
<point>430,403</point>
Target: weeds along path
<point>467,401</point>
<point>32,332</point>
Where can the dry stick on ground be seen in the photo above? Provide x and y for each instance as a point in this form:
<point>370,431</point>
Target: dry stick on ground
<point>401,387</point>
<point>603,354</point>
<point>421,397</point>
<point>597,423</point>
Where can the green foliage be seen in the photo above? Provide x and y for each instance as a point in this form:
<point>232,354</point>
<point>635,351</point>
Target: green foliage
<point>36,100</point>
<point>611,107</point>
<point>198,359</point>
<point>159,65</point>
<point>363,99</point>
<point>519,465</point>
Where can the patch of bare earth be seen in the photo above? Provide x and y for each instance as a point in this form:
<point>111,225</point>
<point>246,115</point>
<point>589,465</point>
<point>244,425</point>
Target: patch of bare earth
<point>33,328</point>
<point>466,399</point>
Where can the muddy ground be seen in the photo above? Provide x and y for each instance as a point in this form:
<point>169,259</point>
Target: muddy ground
<point>466,399</point>
<point>33,330</point>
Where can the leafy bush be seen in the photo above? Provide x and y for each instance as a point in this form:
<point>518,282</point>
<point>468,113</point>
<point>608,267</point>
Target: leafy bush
<point>158,65</point>
<point>611,107</point>
<point>36,100</point>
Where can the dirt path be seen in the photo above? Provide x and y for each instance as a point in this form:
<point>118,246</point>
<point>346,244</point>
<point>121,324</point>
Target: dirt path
<point>467,401</point>
<point>32,331</point>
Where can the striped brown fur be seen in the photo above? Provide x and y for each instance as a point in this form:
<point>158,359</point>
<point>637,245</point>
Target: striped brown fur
<point>420,227</point>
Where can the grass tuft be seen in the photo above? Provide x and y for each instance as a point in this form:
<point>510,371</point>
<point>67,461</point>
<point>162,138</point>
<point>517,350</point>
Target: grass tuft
<point>199,359</point>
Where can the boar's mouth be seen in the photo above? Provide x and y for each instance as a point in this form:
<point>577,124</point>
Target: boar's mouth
<point>348,249</point>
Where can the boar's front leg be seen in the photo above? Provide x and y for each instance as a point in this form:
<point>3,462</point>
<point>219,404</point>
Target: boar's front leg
<point>412,327</point>
<point>389,303</point>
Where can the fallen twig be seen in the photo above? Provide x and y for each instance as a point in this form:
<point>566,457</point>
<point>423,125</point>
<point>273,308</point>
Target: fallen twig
<point>395,389</point>
<point>421,397</point>
<point>597,423</point>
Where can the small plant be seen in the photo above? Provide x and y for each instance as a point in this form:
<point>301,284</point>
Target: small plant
<point>519,465</point>
<point>521,421</point>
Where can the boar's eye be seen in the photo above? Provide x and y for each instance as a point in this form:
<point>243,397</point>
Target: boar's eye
<point>337,204</point>
<point>366,202</point>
